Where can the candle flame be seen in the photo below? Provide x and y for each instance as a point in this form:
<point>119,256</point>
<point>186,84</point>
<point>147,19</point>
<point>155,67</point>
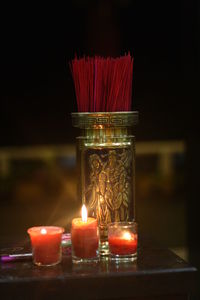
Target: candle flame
<point>43,231</point>
<point>127,235</point>
<point>84,213</point>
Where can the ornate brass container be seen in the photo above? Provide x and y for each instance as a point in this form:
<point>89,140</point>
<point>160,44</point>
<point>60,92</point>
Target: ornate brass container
<point>106,167</point>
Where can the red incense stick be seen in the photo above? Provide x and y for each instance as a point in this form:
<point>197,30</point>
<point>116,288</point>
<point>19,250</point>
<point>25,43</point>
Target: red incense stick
<point>103,84</point>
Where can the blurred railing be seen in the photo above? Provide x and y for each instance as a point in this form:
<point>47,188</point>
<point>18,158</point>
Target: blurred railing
<point>163,149</point>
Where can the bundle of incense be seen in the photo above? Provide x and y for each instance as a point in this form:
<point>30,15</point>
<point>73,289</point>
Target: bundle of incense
<point>15,257</point>
<point>103,84</point>
<point>66,240</point>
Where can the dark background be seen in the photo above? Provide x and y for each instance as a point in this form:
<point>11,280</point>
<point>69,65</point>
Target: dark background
<point>37,93</point>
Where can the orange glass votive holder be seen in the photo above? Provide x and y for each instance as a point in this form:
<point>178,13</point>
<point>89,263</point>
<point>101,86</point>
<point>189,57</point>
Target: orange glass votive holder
<point>46,244</point>
<point>85,240</point>
<point>123,241</point>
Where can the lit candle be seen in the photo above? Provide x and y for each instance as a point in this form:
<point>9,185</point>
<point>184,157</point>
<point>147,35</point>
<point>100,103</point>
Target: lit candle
<point>124,244</point>
<point>123,239</point>
<point>46,244</point>
<point>85,238</point>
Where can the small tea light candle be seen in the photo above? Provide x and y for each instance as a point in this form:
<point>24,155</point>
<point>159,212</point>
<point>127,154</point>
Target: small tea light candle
<point>46,244</point>
<point>123,240</point>
<point>85,238</point>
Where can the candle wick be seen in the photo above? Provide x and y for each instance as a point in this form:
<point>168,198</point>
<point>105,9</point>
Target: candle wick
<point>43,231</point>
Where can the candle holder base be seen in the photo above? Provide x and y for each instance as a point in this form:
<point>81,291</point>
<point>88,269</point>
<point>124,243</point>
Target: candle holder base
<point>78,260</point>
<point>104,248</point>
<point>39,264</point>
<point>123,258</point>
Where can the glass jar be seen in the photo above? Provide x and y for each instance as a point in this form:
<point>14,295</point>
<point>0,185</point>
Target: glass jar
<point>106,167</point>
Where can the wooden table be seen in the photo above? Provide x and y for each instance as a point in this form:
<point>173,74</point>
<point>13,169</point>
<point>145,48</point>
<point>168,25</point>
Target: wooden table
<point>157,274</point>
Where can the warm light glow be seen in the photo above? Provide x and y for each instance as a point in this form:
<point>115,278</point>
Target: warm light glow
<point>84,213</point>
<point>127,235</point>
<point>43,231</point>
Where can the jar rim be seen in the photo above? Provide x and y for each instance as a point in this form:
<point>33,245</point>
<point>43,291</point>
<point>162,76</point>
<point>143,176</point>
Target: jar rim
<point>104,119</point>
<point>123,224</point>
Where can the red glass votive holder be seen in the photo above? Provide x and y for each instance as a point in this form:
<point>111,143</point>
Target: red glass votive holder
<point>85,240</point>
<point>123,241</point>
<point>46,244</point>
